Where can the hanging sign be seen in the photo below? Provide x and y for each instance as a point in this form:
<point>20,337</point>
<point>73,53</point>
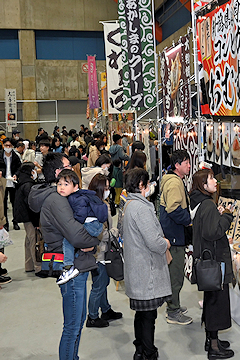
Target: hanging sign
<point>175,74</point>
<point>114,67</point>
<point>104,93</point>
<point>92,83</point>
<point>219,39</point>
<point>11,107</point>
<point>136,25</point>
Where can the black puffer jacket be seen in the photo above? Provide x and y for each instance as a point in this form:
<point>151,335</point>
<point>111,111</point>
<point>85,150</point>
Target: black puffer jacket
<point>15,163</point>
<point>22,211</point>
<point>210,226</point>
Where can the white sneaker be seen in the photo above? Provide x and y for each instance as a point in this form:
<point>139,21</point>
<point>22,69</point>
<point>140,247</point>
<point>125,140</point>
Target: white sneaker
<point>67,275</point>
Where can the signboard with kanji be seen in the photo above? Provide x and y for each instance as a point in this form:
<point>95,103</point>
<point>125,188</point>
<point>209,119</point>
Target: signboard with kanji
<point>11,107</point>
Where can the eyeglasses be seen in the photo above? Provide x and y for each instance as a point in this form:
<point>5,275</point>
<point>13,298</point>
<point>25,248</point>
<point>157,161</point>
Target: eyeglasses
<point>66,167</point>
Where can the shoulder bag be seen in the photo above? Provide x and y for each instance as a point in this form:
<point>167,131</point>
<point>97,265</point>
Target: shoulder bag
<point>207,273</point>
<point>114,258</point>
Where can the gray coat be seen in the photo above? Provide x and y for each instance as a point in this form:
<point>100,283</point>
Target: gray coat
<point>145,269</point>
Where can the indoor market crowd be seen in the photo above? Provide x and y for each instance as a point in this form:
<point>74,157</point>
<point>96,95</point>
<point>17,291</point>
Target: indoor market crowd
<point>69,186</point>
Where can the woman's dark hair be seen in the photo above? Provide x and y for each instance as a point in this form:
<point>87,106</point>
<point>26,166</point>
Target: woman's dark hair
<point>31,144</point>
<point>55,139</point>
<point>138,160</point>
<point>98,184</point>
<point>178,156</point>
<point>99,143</point>
<point>51,162</point>
<point>73,150</point>
<point>103,159</point>
<point>69,176</point>
<point>72,131</point>
<point>75,136</point>
<point>133,178</point>
<point>200,179</point>
<point>27,168</point>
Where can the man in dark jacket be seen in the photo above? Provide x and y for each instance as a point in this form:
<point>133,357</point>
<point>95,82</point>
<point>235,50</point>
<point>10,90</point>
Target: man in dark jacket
<point>23,214</point>
<point>9,166</point>
<point>57,223</point>
<point>174,216</point>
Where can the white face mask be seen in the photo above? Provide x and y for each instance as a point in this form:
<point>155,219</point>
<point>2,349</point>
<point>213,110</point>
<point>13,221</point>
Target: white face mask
<point>106,194</point>
<point>106,171</point>
<point>16,137</point>
<point>34,174</point>
<point>147,193</point>
<point>7,150</point>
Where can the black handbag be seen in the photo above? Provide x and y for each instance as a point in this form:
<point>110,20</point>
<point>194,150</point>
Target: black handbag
<point>114,259</point>
<point>207,273</point>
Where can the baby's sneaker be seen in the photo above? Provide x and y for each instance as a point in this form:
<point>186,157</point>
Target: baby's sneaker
<point>67,275</point>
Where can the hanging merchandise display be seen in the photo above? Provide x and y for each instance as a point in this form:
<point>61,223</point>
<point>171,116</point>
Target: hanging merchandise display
<point>175,74</point>
<point>137,41</point>
<point>235,144</point>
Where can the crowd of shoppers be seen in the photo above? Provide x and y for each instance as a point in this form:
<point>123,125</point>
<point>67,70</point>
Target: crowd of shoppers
<point>62,183</point>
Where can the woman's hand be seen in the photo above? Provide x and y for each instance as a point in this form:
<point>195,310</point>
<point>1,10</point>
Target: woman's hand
<point>168,243</point>
<point>220,209</point>
<point>88,249</point>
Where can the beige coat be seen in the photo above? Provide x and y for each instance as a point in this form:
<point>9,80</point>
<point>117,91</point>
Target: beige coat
<point>94,154</point>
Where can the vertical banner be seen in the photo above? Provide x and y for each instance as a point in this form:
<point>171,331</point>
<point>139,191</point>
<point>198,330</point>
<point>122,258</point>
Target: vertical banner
<point>104,93</point>
<point>210,142</point>
<point>11,108</point>
<point>186,139</point>
<point>218,143</point>
<point>139,82</point>
<point>114,67</point>
<point>175,74</point>
<point>226,141</point>
<point>92,83</point>
<point>235,144</point>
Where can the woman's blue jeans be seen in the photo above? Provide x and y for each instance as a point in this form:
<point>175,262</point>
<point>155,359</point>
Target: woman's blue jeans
<point>98,295</point>
<point>74,294</point>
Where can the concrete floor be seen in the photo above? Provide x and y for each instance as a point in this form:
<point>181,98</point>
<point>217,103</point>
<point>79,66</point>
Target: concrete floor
<point>31,320</point>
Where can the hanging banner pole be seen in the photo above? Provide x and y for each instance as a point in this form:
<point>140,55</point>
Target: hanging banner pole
<point>197,84</point>
<point>157,99</point>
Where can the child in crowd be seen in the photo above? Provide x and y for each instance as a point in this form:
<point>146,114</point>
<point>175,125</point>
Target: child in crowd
<point>89,210</point>
<point>118,176</point>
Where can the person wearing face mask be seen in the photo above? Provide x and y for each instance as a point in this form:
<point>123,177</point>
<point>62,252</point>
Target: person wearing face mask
<point>15,137</point>
<point>9,165</point>
<point>26,179</point>
<point>102,166</point>
<point>98,296</point>
<point>146,274</point>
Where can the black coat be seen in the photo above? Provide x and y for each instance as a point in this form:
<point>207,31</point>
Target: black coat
<point>210,226</point>
<point>22,211</point>
<point>15,163</point>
